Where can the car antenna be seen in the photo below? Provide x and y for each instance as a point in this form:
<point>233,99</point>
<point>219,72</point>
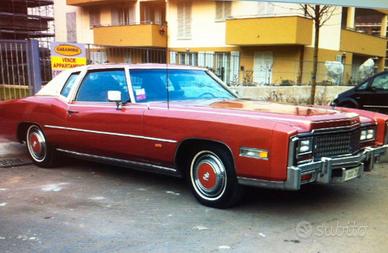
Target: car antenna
<point>167,86</point>
<point>167,55</point>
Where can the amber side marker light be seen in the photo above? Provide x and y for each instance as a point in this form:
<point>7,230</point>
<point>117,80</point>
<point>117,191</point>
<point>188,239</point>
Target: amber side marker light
<point>254,153</point>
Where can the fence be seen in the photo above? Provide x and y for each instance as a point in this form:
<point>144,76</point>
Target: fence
<point>287,73</point>
<point>238,70</point>
<point>24,66</point>
<point>224,64</point>
<point>97,54</point>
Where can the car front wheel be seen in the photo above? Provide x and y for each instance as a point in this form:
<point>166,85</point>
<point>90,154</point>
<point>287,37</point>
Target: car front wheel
<point>212,178</point>
<point>38,148</point>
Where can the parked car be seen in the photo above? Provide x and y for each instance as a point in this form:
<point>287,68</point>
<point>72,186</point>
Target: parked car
<point>184,122</point>
<point>371,94</point>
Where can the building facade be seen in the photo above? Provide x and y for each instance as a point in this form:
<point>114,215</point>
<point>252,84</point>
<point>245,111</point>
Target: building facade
<point>372,22</point>
<point>244,42</point>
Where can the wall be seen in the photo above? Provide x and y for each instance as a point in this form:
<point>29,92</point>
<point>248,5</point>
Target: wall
<point>285,62</point>
<point>363,43</point>
<point>84,33</point>
<point>330,32</point>
<point>291,94</point>
<point>205,30</point>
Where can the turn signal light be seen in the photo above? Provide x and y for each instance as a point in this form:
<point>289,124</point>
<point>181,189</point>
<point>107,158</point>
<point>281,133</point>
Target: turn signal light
<point>306,177</point>
<point>254,153</point>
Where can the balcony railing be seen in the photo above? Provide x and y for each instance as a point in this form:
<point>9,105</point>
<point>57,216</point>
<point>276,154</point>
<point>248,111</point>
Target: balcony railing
<point>131,35</point>
<point>271,30</point>
<point>362,43</point>
<point>91,2</point>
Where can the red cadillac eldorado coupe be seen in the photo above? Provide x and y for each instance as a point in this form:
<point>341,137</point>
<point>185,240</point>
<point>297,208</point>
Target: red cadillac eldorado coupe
<point>184,121</point>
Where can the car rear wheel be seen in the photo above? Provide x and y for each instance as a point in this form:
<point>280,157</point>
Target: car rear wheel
<point>38,148</point>
<point>212,178</point>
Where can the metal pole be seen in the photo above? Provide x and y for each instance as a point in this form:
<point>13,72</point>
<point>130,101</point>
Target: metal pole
<point>34,68</point>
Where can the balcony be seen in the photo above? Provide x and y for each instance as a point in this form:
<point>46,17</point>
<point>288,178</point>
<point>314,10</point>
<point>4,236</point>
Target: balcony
<point>258,31</point>
<point>139,35</point>
<point>90,2</point>
<point>361,43</point>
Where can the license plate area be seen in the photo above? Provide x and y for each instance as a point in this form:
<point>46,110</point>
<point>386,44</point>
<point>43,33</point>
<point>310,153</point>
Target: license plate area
<point>350,174</point>
<point>346,174</point>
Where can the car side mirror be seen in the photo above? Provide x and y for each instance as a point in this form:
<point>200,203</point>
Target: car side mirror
<point>115,96</point>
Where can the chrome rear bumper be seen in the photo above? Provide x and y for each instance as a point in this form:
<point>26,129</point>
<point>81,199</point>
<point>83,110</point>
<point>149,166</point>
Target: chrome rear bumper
<point>325,171</point>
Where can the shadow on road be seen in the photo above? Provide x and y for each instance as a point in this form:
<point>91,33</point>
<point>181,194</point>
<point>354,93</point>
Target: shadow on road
<point>255,199</point>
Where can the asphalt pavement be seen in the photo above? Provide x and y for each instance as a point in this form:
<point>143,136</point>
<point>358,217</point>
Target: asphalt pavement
<point>89,207</point>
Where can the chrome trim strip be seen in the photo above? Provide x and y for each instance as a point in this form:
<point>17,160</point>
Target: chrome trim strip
<point>270,184</point>
<point>328,129</point>
<point>111,133</point>
<point>107,105</point>
<point>142,164</point>
<point>376,106</point>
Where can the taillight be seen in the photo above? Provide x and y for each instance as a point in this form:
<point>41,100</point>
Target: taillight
<point>386,133</point>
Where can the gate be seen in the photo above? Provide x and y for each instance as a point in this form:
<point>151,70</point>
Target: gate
<point>20,68</point>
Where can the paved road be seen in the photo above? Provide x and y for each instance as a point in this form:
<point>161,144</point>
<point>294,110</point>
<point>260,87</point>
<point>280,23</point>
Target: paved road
<point>88,207</point>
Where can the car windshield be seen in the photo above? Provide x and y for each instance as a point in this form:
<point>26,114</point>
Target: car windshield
<point>151,85</point>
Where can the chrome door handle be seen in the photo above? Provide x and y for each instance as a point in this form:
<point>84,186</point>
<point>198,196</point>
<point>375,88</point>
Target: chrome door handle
<point>70,112</point>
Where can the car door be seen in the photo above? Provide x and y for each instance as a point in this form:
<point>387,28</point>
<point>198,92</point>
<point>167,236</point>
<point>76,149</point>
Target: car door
<point>375,98</point>
<point>360,96</point>
<point>97,126</point>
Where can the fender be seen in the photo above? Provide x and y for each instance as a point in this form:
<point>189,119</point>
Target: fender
<point>349,101</point>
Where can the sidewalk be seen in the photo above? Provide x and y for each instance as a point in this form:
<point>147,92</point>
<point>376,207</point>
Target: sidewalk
<point>13,154</point>
<point>12,149</point>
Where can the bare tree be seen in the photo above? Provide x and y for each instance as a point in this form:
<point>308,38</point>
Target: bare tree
<point>320,14</point>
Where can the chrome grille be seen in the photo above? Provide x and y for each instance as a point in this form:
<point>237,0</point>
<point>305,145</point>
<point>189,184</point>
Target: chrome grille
<point>336,143</point>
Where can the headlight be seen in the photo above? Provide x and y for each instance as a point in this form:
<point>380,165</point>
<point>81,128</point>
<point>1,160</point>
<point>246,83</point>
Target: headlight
<point>363,135</point>
<point>370,134</point>
<point>367,134</point>
<point>305,146</point>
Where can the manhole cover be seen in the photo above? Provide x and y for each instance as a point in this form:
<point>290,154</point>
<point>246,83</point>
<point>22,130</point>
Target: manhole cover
<point>13,162</point>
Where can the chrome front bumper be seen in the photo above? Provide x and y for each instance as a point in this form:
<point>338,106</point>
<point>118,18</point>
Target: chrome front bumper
<point>325,171</point>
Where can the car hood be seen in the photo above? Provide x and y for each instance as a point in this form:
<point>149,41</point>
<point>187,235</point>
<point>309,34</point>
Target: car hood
<point>305,118</point>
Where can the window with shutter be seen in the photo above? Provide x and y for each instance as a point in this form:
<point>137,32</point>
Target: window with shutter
<point>122,15</point>
<point>223,10</point>
<point>94,18</point>
<point>184,20</point>
<point>71,27</point>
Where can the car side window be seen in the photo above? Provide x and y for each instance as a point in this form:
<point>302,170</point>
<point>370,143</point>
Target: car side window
<point>96,84</point>
<point>363,86</point>
<point>69,84</point>
<point>149,85</point>
<point>380,82</point>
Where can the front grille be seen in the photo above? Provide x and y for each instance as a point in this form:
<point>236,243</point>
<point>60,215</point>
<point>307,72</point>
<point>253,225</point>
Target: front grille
<point>336,143</point>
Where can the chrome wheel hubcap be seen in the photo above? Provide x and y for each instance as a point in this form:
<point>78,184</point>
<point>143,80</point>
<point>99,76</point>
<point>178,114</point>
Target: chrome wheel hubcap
<point>36,144</point>
<point>208,175</point>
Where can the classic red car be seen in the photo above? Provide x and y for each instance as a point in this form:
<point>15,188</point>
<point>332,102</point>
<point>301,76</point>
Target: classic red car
<point>184,121</point>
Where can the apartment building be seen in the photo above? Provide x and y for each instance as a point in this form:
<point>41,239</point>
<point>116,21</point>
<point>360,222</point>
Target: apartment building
<point>372,22</point>
<point>242,41</point>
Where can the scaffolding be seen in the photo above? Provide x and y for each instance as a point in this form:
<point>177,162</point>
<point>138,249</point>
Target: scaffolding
<point>26,19</point>
<point>26,30</point>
